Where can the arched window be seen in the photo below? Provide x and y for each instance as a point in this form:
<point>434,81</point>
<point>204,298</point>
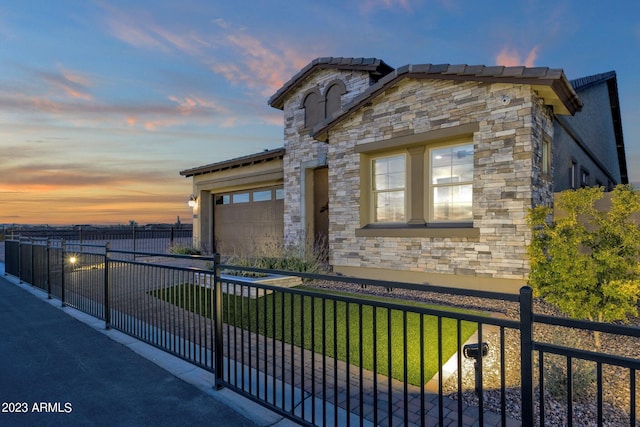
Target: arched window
<point>313,114</point>
<point>333,97</point>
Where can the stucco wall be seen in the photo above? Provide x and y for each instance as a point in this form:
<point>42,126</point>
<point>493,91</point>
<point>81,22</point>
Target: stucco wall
<point>593,126</point>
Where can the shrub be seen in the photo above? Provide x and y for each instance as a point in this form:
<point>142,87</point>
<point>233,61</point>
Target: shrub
<point>295,257</point>
<point>583,372</point>
<point>586,262</point>
<point>242,262</point>
<point>183,250</point>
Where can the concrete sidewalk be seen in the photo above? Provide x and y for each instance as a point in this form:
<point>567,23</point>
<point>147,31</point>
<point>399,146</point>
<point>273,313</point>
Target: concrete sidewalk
<point>59,366</point>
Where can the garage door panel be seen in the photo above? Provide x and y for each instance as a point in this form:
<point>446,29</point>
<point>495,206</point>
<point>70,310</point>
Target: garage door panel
<point>251,228</point>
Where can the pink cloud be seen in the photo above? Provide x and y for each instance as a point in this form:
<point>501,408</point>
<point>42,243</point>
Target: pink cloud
<point>261,67</point>
<point>143,32</point>
<point>176,111</point>
<point>193,104</point>
<point>189,43</point>
<point>72,84</point>
<point>133,35</point>
<point>510,57</point>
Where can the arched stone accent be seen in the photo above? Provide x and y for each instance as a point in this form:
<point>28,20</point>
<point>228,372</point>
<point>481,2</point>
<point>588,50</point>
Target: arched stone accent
<point>313,105</point>
<point>333,96</point>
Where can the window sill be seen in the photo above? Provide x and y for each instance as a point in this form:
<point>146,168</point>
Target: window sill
<point>431,230</point>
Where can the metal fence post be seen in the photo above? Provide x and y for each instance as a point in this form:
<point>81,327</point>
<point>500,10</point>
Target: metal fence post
<point>20,259</point>
<point>63,247</point>
<point>48,269</point>
<point>526,354</point>
<point>217,323</point>
<point>31,278</point>
<point>106,305</point>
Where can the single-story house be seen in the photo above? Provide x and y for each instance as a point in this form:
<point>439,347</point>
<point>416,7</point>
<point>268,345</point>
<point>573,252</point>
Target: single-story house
<point>422,173</point>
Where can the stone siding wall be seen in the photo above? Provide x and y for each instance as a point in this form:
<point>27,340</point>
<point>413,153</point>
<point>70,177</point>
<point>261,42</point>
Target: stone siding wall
<point>302,151</point>
<point>507,176</point>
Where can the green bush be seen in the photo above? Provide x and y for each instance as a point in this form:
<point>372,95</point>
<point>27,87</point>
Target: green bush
<point>183,250</point>
<point>586,262</point>
<point>242,262</point>
<point>583,372</point>
<point>296,257</point>
<point>583,377</point>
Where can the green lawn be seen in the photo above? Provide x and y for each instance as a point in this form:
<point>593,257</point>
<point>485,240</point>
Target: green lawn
<point>273,315</point>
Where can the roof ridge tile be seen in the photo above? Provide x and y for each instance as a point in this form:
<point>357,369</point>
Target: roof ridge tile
<point>456,69</point>
<point>535,72</point>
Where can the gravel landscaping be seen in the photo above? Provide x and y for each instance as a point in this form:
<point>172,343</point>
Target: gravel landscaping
<point>615,380</point>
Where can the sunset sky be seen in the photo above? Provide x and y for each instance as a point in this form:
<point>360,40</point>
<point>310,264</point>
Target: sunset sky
<point>102,102</point>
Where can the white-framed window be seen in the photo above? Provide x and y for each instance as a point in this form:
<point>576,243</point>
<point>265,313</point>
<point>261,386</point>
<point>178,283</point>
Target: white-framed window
<point>389,188</point>
<point>450,196</point>
<point>441,190</point>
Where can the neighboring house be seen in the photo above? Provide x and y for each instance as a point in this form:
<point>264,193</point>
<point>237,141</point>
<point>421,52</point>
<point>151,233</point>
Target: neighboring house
<point>423,173</point>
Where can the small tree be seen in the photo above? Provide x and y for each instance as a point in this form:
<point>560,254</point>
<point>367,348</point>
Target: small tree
<point>587,263</point>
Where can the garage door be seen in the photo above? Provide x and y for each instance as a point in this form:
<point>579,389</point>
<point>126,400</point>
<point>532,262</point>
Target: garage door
<point>249,222</point>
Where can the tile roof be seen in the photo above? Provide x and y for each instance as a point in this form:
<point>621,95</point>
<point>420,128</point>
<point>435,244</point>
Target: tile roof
<point>588,81</point>
<point>375,66</point>
<point>251,159</point>
<point>551,83</point>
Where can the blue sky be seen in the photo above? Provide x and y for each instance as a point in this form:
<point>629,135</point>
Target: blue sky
<point>102,103</point>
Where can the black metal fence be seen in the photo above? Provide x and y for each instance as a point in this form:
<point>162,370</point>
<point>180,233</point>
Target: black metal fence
<point>322,357</point>
<point>157,239</point>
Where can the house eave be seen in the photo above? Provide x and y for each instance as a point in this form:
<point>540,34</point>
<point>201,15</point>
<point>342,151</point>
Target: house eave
<point>252,159</point>
<point>551,84</point>
<point>376,68</point>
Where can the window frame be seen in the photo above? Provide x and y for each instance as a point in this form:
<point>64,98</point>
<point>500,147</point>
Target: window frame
<point>373,192</point>
<point>417,148</point>
<point>429,186</point>
<point>573,174</point>
<point>545,157</point>
<point>247,195</point>
<point>584,177</point>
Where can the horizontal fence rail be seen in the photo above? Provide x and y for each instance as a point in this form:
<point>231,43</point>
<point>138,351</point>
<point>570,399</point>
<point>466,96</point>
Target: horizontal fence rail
<point>328,350</point>
<point>158,239</point>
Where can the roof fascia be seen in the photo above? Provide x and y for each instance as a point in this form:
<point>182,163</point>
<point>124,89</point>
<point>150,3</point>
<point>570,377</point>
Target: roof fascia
<point>568,101</point>
<point>371,65</point>
<point>249,160</point>
<point>614,102</point>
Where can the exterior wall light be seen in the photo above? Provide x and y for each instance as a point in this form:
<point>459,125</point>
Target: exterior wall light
<point>193,201</point>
